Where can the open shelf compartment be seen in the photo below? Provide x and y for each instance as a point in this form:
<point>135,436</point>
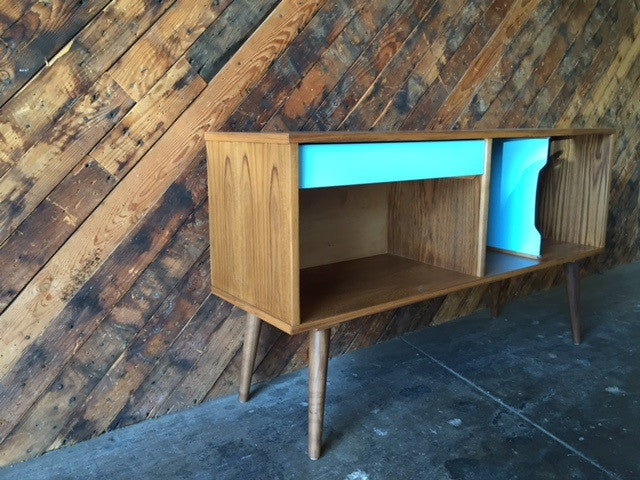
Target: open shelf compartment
<point>336,292</point>
<point>369,248</point>
<point>366,249</point>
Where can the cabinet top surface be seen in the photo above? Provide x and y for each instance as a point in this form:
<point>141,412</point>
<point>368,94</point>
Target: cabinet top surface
<point>349,137</point>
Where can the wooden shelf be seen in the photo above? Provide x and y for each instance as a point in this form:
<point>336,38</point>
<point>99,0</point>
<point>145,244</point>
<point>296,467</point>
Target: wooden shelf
<point>340,291</point>
<point>334,293</point>
<point>501,264</point>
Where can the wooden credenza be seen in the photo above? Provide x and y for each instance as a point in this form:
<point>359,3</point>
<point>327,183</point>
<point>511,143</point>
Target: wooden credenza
<point>310,230</point>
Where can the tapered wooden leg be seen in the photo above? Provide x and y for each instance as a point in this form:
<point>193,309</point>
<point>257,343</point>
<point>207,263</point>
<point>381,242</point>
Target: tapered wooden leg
<point>249,349</point>
<point>573,292</point>
<point>318,359</point>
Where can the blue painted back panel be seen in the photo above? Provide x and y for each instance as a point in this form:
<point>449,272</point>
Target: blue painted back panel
<point>515,167</point>
<point>336,164</point>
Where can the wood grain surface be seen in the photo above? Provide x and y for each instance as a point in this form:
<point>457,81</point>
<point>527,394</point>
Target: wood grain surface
<point>575,190</point>
<point>106,317</point>
<point>253,208</point>
<point>439,222</point>
<point>339,224</point>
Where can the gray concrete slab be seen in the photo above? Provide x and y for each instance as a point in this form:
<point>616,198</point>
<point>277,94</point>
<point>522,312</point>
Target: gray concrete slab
<point>587,395</point>
<point>478,398</point>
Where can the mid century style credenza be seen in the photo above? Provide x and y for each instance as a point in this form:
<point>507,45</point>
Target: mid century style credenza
<point>310,230</point>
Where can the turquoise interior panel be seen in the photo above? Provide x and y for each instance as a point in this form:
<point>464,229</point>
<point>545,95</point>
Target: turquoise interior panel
<point>337,164</point>
<point>515,167</point>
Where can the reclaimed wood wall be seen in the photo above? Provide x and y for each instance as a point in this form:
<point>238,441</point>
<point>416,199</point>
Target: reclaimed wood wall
<point>106,317</point>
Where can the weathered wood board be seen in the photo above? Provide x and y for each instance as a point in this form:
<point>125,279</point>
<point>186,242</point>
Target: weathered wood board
<point>105,316</point>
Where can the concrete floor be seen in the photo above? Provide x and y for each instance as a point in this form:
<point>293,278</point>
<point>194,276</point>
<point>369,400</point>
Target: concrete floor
<point>478,398</point>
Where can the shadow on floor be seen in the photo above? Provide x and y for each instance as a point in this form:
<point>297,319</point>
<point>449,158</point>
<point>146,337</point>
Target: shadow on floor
<point>478,398</point>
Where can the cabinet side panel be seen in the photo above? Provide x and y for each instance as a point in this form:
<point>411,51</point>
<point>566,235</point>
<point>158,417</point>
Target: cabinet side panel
<point>438,222</point>
<point>574,190</point>
<point>253,225</point>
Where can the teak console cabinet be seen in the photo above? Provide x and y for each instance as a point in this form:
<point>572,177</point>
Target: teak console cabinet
<point>309,230</point>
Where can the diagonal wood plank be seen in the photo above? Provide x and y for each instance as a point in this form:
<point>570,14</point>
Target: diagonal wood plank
<point>607,88</point>
<point>597,70</point>
<point>479,111</point>
<point>523,86</point>
<point>194,356</point>
<point>148,120</point>
<point>371,108</point>
<point>576,60</point>
<point>10,12</point>
<point>91,360</point>
<point>105,165</point>
<point>37,36</point>
<point>163,43</point>
<point>426,73</point>
<point>87,249</point>
<point>486,59</point>
<point>30,246</point>
<point>177,314</point>
<point>330,25</point>
<point>46,163</point>
<point>222,38</point>
<point>544,104</point>
<point>100,294</point>
<point>334,105</point>
<point>26,118</point>
<point>175,366</point>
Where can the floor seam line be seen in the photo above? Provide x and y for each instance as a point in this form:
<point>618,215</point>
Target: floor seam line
<point>515,411</point>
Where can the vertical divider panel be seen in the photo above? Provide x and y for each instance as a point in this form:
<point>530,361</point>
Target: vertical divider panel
<point>485,181</point>
<point>437,222</point>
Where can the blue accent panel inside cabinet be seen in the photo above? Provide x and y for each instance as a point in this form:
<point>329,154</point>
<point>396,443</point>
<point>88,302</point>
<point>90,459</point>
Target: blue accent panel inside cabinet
<point>515,168</point>
<point>337,164</point>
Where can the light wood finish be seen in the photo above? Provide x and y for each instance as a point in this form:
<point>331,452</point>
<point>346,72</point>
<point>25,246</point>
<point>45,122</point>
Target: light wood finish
<point>573,293</point>
<point>502,265</point>
<point>340,266</point>
<point>342,223</point>
<point>341,291</point>
<point>483,218</point>
<point>574,190</point>
<point>332,294</point>
<point>249,349</point>
<point>318,360</point>
<point>340,137</point>
<point>438,222</point>
<point>254,225</point>
<point>249,308</point>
